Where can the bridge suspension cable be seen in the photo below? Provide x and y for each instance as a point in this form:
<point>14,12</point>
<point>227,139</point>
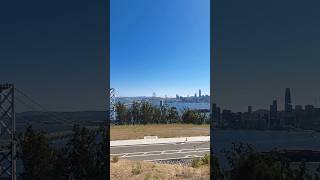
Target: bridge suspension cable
<point>54,116</point>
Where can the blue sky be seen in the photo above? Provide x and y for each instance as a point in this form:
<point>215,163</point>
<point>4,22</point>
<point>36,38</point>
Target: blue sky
<point>160,46</point>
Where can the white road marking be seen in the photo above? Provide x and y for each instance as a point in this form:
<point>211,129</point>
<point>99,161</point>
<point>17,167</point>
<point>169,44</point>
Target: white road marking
<point>161,151</point>
<point>165,152</point>
<point>168,159</point>
<point>159,144</point>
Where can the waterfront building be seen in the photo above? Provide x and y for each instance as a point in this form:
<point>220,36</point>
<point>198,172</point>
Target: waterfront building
<point>274,121</point>
<point>161,103</point>
<point>288,105</point>
<point>249,109</point>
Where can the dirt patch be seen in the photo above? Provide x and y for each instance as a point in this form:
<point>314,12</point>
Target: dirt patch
<point>125,132</point>
<point>140,170</point>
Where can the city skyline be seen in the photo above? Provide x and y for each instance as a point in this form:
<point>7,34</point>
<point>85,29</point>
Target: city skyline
<point>297,117</point>
<point>260,51</point>
<point>166,45</point>
<point>155,94</point>
<point>285,103</point>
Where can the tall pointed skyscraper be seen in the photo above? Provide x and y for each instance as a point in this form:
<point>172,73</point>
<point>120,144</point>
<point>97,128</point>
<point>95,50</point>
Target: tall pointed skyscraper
<point>288,105</point>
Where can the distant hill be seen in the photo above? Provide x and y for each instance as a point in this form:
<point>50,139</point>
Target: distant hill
<point>58,121</point>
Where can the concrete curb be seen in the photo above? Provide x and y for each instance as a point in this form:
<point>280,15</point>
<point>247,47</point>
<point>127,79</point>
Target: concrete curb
<point>158,141</point>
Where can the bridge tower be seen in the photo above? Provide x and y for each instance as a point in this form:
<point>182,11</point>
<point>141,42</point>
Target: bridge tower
<point>7,132</point>
<point>112,105</point>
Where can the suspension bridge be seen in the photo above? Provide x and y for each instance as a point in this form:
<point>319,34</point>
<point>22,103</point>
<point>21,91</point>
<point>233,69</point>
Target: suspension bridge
<point>10,96</point>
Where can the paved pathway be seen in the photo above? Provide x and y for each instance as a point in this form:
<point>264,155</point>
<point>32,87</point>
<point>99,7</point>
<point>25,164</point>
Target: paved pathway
<point>162,148</point>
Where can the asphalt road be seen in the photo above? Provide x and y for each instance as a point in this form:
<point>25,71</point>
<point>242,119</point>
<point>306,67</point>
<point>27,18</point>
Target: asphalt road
<point>154,152</point>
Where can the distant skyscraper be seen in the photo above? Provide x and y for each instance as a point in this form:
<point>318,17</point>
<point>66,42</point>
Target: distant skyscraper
<point>274,115</point>
<point>199,92</point>
<point>249,109</point>
<point>195,94</point>
<point>288,105</point>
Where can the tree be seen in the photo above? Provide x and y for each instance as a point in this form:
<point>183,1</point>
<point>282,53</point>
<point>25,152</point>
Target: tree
<point>173,115</point>
<point>101,149</point>
<point>82,158</point>
<point>247,163</point>
<point>191,117</point>
<point>81,154</point>
<point>164,115</point>
<point>60,168</point>
<point>135,112</point>
<point>156,115</point>
<point>129,118</point>
<point>121,113</point>
<point>36,155</point>
<point>146,113</point>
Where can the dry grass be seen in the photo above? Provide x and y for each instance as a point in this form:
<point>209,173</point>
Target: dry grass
<point>161,130</point>
<point>122,170</point>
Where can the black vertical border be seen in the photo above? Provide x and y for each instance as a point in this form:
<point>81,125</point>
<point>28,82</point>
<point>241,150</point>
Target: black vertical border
<point>212,175</point>
<point>107,151</point>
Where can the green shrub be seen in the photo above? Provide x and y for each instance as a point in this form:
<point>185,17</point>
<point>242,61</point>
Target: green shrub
<point>196,162</point>
<point>136,169</point>
<point>147,177</point>
<point>205,159</point>
<point>115,159</point>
